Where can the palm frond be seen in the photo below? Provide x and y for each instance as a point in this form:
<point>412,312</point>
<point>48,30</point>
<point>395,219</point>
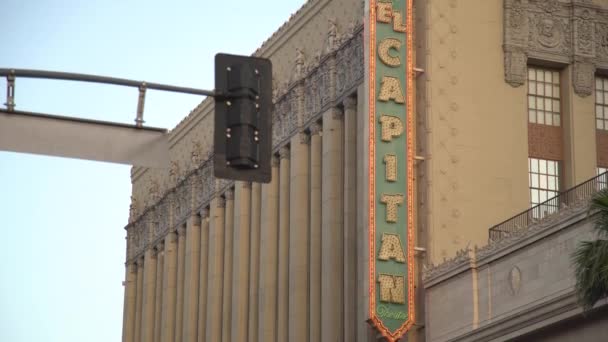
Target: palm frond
<point>599,206</point>
<point>591,271</point>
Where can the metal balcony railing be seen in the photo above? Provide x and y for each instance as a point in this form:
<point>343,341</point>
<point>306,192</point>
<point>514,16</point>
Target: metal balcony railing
<point>581,192</point>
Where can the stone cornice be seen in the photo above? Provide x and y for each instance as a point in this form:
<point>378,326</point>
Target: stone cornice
<point>477,257</point>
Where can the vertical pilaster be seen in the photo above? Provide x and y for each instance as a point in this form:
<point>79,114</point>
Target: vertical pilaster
<point>283,280</point>
<point>181,263</point>
<point>169,288</point>
<point>216,269</point>
<point>203,276</point>
<point>149,295</point>
<point>332,319</point>
<point>139,299</point>
<point>191,279</point>
<point>158,301</point>
<point>350,222</point>
<point>315,233</point>
<point>269,257</point>
<point>130,302</point>
<point>298,238</point>
<point>254,262</point>
<point>364,331</point>
<point>228,247</point>
<point>240,262</point>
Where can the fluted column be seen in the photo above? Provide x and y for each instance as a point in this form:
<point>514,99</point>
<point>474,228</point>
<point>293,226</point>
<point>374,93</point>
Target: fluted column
<point>240,262</point>
<point>350,222</point>
<point>315,233</point>
<point>283,284</point>
<point>181,263</point>
<point>158,302</point>
<point>139,299</point>
<point>169,288</point>
<point>149,295</point>
<point>332,319</point>
<point>298,239</point>
<point>203,276</point>
<point>216,269</point>
<point>191,279</point>
<point>254,262</point>
<point>269,257</point>
<point>228,249</point>
<point>128,328</point>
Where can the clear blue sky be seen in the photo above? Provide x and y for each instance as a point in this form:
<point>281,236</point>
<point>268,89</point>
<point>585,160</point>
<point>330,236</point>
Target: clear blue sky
<point>61,220</point>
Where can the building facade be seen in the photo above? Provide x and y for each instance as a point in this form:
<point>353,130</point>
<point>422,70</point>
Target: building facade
<point>510,108</point>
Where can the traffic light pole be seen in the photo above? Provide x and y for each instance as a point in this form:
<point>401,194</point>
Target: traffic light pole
<point>242,127</point>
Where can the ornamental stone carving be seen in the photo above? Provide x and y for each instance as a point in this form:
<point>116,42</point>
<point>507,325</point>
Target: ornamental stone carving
<point>133,209</point>
<point>566,32</point>
<point>297,106</point>
<point>196,154</point>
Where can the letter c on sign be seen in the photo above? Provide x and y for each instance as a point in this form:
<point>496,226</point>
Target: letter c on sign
<point>384,48</point>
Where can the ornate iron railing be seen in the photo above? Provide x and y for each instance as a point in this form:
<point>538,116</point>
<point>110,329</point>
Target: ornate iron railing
<point>581,192</point>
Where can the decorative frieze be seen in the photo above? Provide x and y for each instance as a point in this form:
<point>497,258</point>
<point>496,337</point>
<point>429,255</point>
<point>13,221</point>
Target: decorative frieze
<point>297,106</point>
<point>567,32</point>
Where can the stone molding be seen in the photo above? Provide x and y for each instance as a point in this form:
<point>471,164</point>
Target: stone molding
<point>298,108</point>
<point>551,31</point>
<point>475,257</point>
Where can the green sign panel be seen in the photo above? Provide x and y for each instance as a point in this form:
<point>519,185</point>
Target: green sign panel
<point>391,167</point>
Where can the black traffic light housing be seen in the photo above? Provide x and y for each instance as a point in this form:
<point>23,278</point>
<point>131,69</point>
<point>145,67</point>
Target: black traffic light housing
<point>243,111</point>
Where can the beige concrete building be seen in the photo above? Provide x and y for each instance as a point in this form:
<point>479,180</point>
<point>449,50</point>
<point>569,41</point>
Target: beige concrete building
<point>511,107</point>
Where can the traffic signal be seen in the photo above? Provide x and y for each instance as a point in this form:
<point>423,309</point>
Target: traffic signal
<point>243,126</point>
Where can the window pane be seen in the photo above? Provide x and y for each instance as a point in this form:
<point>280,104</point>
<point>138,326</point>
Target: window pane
<point>534,165</point>
<point>540,118</point>
<point>532,116</point>
<point>531,102</point>
<point>599,97</point>
<point>556,120</point>
<point>551,185</point>
<point>543,182</point>
<point>535,196</point>
<point>531,74</point>
<point>532,87</point>
<point>548,104</point>
<point>539,75</point>
<point>534,181</point>
<point>599,124</point>
<point>540,89</point>
<point>551,168</point>
<point>598,83</point>
<point>548,118</point>
<point>542,196</point>
<point>540,104</point>
<point>542,166</point>
<point>548,88</point>
<point>556,92</point>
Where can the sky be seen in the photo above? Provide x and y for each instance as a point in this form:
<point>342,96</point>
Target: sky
<point>62,220</point>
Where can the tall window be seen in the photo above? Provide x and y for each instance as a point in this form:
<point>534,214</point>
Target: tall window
<point>544,184</point>
<point>601,103</point>
<point>543,96</point>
